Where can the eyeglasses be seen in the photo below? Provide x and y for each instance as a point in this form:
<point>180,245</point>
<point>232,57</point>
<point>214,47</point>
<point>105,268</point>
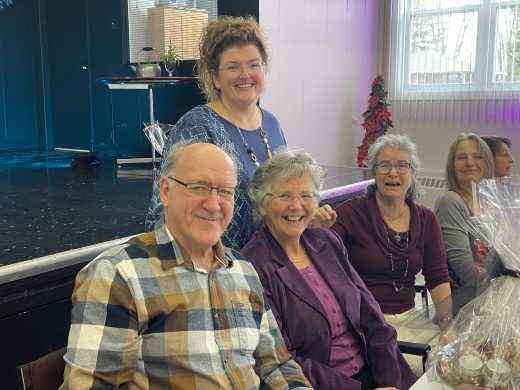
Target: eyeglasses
<point>305,198</point>
<point>203,190</point>
<point>385,167</point>
<point>253,68</point>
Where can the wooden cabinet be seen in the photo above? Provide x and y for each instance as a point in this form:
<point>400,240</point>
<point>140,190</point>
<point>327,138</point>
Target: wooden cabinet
<point>181,26</point>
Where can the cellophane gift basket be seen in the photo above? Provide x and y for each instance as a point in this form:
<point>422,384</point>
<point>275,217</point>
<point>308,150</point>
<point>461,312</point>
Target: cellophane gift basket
<point>481,350</point>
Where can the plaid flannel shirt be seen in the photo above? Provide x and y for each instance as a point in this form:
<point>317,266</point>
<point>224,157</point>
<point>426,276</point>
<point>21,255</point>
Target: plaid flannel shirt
<point>144,317</point>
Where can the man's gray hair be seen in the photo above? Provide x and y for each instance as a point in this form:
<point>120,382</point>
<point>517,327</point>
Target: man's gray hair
<point>399,142</point>
<point>283,167</point>
<point>170,161</point>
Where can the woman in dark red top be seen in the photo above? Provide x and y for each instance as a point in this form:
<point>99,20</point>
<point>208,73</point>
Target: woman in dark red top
<point>390,239</point>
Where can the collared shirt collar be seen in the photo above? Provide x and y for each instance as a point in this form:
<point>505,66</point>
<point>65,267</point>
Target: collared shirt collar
<point>163,235</point>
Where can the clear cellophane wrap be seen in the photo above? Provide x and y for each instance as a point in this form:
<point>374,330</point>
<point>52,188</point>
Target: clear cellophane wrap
<point>482,347</point>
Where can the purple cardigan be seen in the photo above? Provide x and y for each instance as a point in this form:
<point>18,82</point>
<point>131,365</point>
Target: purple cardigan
<point>303,321</point>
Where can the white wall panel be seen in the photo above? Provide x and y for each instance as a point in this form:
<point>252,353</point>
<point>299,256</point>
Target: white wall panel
<point>321,71</point>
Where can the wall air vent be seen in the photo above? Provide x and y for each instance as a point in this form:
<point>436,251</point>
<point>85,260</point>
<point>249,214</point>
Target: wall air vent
<point>432,187</point>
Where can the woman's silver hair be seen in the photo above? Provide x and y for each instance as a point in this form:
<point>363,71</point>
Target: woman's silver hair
<point>484,151</point>
<point>399,142</point>
<point>283,167</point>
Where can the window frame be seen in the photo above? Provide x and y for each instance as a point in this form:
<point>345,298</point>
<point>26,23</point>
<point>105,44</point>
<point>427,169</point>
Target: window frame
<point>483,83</point>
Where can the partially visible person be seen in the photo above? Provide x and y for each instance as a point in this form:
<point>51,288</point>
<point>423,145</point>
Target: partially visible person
<point>469,161</point>
<point>503,159</point>
<point>174,308</point>
<point>501,149</point>
<point>234,58</point>
<point>330,321</point>
<point>390,239</point>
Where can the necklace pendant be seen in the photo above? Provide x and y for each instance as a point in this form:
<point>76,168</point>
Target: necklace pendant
<point>249,149</point>
<point>397,237</point>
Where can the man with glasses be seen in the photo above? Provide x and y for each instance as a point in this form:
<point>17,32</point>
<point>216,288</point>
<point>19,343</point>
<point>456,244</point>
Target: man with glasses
<point>174,308</point>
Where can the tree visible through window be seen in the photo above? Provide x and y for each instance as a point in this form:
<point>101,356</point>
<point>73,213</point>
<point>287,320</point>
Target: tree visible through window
<point>507,54</point>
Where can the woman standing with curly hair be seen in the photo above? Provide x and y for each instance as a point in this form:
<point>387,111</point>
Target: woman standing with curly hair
<point>234,57</point>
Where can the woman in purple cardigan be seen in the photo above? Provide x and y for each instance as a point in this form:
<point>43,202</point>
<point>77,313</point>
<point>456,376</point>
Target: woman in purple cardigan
<point>331,324</point>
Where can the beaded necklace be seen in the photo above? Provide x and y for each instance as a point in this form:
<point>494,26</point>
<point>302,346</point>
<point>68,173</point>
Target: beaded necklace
<point>391,257</point>
<point>249,149</point>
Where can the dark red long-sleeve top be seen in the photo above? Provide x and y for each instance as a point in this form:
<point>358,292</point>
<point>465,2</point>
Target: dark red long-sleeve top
<point>362,230</point>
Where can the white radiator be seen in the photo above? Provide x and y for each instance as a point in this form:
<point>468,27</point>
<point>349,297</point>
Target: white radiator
<point>432,187</point>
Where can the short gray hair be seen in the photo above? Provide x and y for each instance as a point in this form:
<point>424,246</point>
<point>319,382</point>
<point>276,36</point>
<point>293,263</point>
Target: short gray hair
<point>284,166</point>
<point>172,156</point>
<point>483,149</point>
<point>399,142</point>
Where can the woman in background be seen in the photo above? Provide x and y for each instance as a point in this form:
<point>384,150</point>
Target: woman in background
<point>501,149</point>
<point>390,239</point>
<point>331,323</point>
<point>469,161</point>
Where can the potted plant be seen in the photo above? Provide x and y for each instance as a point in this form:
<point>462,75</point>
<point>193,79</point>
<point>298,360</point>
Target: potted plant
<point>171,58</point>
<point>149,68</point>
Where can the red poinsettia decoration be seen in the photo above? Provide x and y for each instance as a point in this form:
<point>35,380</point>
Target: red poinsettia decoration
<point>377,119</point>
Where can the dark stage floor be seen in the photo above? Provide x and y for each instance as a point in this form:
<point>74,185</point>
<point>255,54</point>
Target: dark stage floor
<point>47,206</point>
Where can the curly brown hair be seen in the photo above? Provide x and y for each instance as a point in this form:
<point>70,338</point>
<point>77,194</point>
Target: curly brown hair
<point>218,36</point>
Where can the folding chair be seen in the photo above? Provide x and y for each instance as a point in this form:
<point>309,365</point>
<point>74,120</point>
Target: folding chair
<point>45,373</point>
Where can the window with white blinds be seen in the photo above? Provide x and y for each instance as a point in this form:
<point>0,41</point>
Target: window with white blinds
<point>159,23</point>
<point>450,49</point>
